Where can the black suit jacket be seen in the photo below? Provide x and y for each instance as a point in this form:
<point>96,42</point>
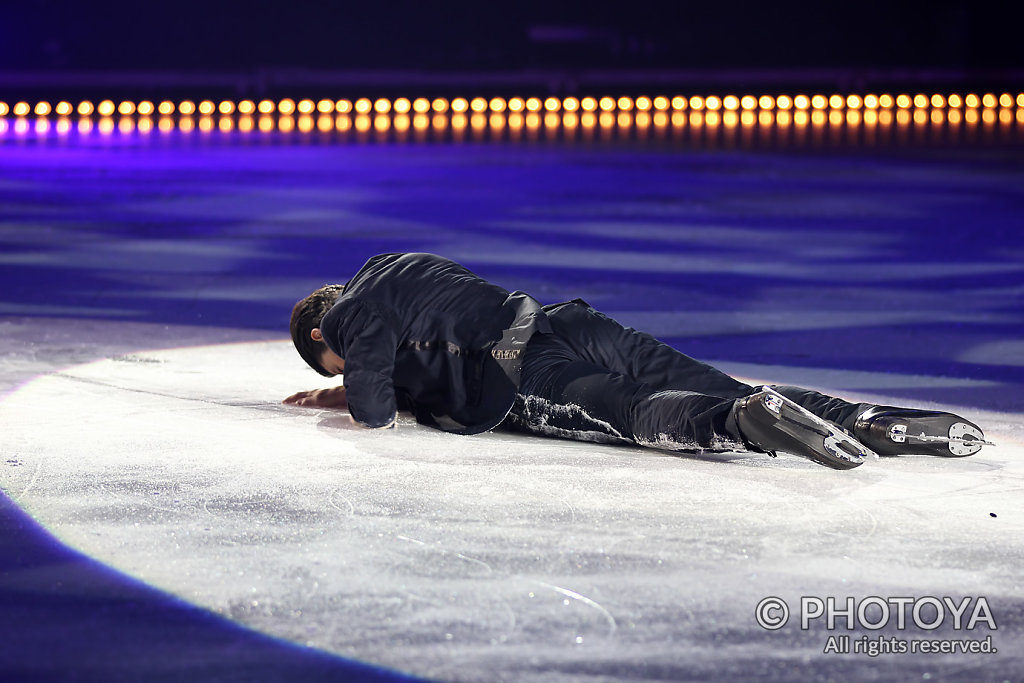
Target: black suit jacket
<point>419,331</point>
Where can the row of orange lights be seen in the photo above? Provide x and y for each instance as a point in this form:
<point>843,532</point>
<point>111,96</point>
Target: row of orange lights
<point>402,122</point>
<point>460,105</point>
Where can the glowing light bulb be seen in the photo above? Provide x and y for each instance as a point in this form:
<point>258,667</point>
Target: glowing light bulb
<point>106,108</point>
<point>286,106</point>
<point>440,105</point>
<point>63,108</point>
<point>625,104</point>
<point>343,107</point>
<point>643,103</point>
<point>954,101</point>
<point>886,101</point>
<point>697,102</point>
<point>1006,100</point>
<point>126,108</point>
<point>307,106</point>
<point>516,104</point>
<point>713,103</point>
<point>534,104</point>
<point>4,109</point>
<point>402,106</point>
<point>265,107</point>
<point>661,103</point>
<point>871,101</point>
<point>784,102</point>
<point>325,107</point>
<point>226,107</point>
<point>460,105</point>
<point>903,101</point>
<point>731,102</point>
<point>836,101</point>
<point>207,107</point>
<point>819,102</point>
<point>972,101</point>
<point>570,104</point>
<point>246,107</point>
<point>85,108</point>
<point>552,104</point>
<point>420,105</point>
<point>988,100</point>
<point>679,103</point>
<point>363,106</point>
<point>938,101</point>
<point>606,103</point>
<point>382,106</point>
<point>766,102</point>
<point>1020,100</point>
<point>166,108</point>
<point>42,108</point>
<point>497,104</point>
<point>478,104</point>
<point>802,102</point>
<point>853,102</point>
<point>920,101</point>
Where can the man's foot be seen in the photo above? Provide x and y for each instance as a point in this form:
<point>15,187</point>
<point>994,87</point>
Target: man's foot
<point>900,431</point>
<point>770,422</point>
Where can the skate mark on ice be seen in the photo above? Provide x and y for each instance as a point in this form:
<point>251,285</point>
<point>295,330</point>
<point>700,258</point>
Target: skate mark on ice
<point>350,512</point>
<point>33,480</point>
<point>445,551</point>
<point>66,375</point>
<point>509,611</point>
<point>573,595</point>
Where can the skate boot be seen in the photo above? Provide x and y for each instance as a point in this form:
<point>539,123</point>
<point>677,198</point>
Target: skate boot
<point>899,431</point>
<point>770,422</point>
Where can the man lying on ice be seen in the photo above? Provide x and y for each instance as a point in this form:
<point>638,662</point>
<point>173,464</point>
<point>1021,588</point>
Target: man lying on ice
<point>421,333</point>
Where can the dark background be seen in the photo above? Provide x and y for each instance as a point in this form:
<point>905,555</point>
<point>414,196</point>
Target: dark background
<point>268,47</point>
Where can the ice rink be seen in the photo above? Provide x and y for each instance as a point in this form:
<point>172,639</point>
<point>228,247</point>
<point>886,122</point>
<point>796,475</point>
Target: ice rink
<point>165,517</point>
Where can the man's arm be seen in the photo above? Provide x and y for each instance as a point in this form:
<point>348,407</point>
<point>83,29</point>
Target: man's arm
<point>369,345</point>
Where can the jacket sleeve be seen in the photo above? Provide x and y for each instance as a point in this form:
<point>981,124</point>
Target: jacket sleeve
<point>369,344</point>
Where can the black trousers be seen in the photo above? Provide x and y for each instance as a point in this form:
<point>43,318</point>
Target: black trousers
<point>595,380</point>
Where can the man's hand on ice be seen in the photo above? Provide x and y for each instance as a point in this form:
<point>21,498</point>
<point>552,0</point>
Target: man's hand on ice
<point>319,398</point>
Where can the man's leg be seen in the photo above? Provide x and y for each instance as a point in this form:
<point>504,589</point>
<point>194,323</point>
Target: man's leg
<point>598,339</point>
<point>565,395</point>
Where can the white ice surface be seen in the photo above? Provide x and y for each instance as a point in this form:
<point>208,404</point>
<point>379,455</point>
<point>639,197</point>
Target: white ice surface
<point>498,556</point>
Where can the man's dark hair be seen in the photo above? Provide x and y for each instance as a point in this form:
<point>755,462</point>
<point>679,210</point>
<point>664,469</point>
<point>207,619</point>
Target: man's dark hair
<point>307,315</point>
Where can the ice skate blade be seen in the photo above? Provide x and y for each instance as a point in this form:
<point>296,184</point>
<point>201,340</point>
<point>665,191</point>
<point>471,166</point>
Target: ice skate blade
<point>958,445</point>
<point>843,451</point>
<point>904,431</point>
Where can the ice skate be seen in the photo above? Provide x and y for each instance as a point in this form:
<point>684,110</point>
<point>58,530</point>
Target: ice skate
<point>771,422</point>
<point>903,431</point>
